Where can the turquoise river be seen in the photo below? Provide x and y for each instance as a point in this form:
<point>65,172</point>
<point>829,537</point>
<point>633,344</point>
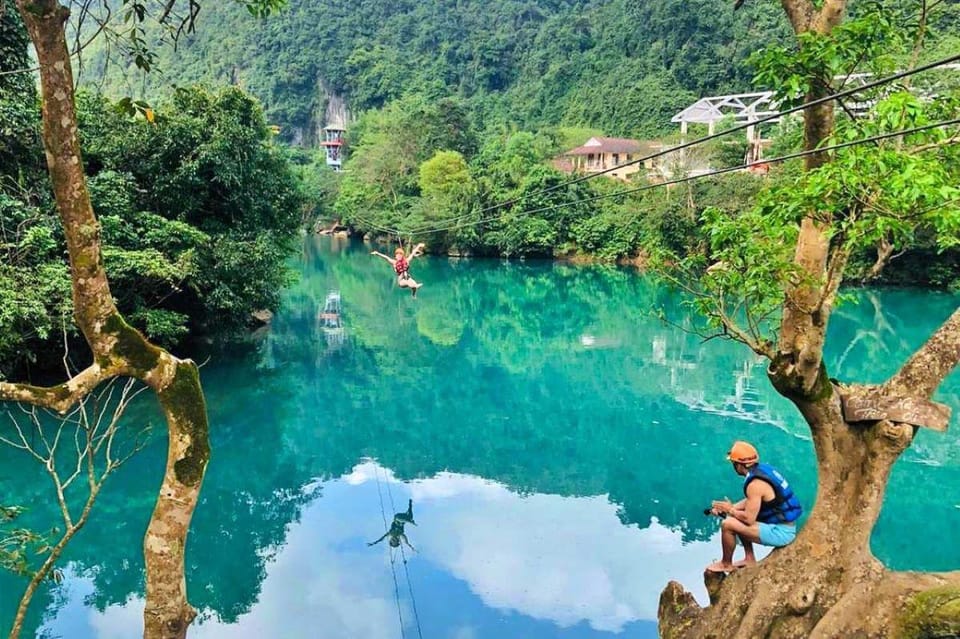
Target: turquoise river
<point>557,440</point>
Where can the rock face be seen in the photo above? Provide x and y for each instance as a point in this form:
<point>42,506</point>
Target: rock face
<point>330,110</point>
<point>262,316</point>
<point>335,111</point>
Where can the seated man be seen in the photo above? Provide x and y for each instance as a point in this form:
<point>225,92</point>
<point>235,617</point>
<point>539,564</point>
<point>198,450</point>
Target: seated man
<point>767,515</point>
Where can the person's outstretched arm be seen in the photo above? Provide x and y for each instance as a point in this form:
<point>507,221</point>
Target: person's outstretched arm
<point>416,252</point>
<point>374,543</point>
<point>386,257</point>
<point>404,539</point>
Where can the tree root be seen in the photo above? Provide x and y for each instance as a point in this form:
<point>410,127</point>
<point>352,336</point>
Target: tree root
<point>866,602</point>
<point>677,612</point>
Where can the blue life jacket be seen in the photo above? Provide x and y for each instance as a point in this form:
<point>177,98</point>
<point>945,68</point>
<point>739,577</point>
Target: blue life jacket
<point>784,507</point>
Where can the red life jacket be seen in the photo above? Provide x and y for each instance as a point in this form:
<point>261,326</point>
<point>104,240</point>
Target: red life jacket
<point>400,266</point>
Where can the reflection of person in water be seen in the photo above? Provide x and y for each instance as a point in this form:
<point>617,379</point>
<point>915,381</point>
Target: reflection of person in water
<point>396,533</point>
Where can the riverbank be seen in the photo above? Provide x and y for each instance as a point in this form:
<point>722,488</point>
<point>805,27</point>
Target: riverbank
<point>925,269</point>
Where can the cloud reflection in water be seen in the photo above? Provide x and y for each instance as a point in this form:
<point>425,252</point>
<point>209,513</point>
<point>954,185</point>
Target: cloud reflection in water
<point>567,564</point>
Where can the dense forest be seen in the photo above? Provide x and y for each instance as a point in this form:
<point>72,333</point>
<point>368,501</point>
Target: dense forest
<point>620,66</point>
<point>199,208</point>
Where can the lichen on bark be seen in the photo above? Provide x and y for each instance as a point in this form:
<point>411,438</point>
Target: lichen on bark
<point>932,614</point>
<point>790,385</point>
<point>131,346</point>
<point>183,398</point>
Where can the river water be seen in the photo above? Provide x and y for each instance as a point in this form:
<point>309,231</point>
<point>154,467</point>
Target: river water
<point>558,444</point>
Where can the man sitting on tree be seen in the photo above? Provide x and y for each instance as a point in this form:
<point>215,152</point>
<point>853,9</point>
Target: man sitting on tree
<point>767,515</point>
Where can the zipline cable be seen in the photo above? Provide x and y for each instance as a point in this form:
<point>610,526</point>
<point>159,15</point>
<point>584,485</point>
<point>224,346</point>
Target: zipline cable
<point>393,569</point>
<point>413,600</point>
<point>740,127</point>
<point>455,222</point>
<point>376,227</point>
<point>690,178</point>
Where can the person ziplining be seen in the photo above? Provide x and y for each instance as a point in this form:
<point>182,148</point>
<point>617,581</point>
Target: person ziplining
<point>401,266</point>
<point>396,532</point>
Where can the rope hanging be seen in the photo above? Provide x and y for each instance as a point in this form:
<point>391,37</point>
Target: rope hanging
<point>393,568</point>
<point>413,600</point>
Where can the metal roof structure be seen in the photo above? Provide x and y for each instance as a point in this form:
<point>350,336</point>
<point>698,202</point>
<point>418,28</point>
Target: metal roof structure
<point>741,107</point>
<point>748,107</point>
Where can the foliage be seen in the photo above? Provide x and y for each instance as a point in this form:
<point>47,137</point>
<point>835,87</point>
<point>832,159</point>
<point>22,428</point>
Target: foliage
<point>620,66</point>
<point>18,544</point>
<point>901,191</point>
<point>388,147</point>
<point>814,61</point>
<point>19,115</point>
<point>319,187</point>
<point>198,208</point>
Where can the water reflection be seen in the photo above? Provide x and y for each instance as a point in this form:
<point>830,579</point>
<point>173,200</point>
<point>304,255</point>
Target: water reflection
<point>558,442</point>
<point>486,554</point>
<point>396,531</point>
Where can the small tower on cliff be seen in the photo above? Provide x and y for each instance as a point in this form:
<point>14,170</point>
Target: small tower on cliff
<point>332,142</point>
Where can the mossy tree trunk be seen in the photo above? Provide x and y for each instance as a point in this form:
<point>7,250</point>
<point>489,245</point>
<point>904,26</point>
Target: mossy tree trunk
<point>118,349</point>
<point>828,583</point>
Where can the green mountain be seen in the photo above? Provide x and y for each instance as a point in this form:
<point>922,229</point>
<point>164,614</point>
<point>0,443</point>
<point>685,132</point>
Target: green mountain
<point>621,66</point>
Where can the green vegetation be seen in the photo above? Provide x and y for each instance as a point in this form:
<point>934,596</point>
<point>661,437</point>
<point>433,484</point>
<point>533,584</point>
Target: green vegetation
<point>931,614</point>
<point>17,544</point>
<point>408,172</point>
<point>622,66</point>
<point>462,107</point>
<point>198,204</point>
<point>33,279</point>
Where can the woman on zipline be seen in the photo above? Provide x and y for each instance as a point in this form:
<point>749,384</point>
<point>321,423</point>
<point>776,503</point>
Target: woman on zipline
<point>401,266</point>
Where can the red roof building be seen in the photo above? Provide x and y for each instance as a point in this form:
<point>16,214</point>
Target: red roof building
<point>618,156</point>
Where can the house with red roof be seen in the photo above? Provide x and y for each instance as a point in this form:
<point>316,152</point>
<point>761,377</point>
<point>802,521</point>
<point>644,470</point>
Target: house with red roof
<point>609,154</point>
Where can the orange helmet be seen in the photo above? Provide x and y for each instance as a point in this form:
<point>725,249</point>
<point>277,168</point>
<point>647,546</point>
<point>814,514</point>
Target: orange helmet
<point>743,453</point>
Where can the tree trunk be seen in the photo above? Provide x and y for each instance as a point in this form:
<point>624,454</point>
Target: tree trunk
<point>827,583</point>
<point>118,349</point>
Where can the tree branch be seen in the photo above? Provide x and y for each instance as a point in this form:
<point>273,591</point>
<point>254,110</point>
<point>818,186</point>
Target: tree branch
<point>885,250</point>
<point>754,343</point>
<point>836,264</point>
<point>61,397</point>
<point>928,367</point>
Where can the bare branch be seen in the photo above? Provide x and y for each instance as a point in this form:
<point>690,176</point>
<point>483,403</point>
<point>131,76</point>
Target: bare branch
<point>168,7</point>
<point>758,346</point>
<point>23,445</point>
<point>928,367</point>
